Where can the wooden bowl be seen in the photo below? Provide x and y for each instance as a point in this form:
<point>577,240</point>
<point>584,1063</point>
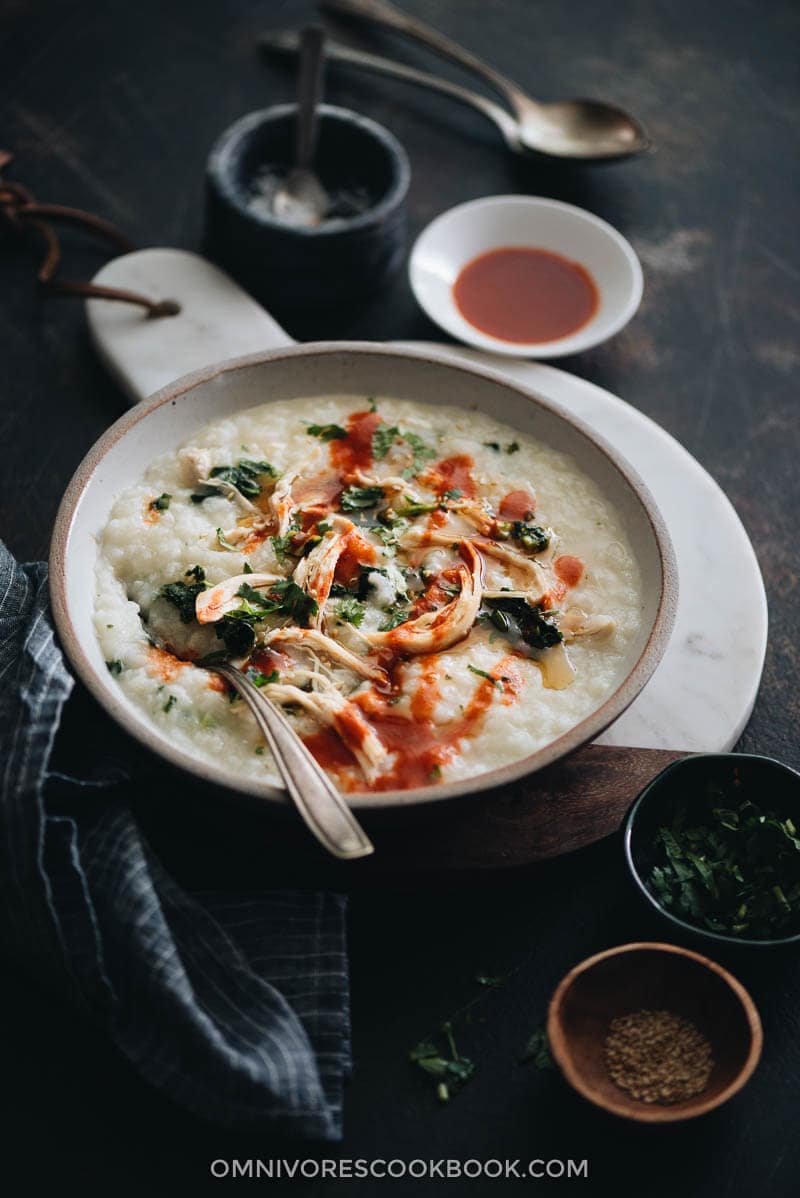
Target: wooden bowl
<point>652,977</point>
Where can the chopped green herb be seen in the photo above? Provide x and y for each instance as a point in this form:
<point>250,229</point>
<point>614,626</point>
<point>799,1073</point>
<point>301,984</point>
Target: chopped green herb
<point>372,407</point>
<point>351,610</point>
<point>435,773</point>
<point>324,527</point>
<point>449,1071</point>
<point>259,750</point>
<point>727,864</point>
<point>247,568</point>
<point>183,594</point>
<point>245,476</point>
<point>236,632</point>
<point>512,447</point>
<point>161,504</point>
<point>259,679</point>
<point>495,445</point>
<point>422,453</point>
<point>225,543</point>
<point>538,1050</point>
<point>383,438</point>
<point>393,617</point>
<point>355,498</point>
<point>412,508</point>
<point>482,674</point>
<point>453,493</point>
<point>170,703</point>
<point>521,623</point>
<point>327,432</point>
<point>388,536</point>
<point>197,573</point>
<point>531,536</point>
<point>114,667</point>
<point>285,597</point>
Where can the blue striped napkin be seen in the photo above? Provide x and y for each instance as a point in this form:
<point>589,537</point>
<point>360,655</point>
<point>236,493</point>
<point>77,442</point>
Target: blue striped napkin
<point>236,1006</point>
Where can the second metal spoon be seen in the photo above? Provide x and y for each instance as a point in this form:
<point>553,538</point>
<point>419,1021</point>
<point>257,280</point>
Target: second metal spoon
<point>582,129</point>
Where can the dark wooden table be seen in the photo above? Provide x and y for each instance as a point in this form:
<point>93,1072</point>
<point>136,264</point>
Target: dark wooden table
<point>113,107</point>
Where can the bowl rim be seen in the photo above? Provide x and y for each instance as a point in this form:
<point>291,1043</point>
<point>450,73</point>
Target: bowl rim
<point>218,175</point>
<point>653,1113</point>
<point>571,343</point>
<point>586,730</point>
<point>628,825</point>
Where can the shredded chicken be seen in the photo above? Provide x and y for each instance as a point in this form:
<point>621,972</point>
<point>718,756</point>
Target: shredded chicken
<point>211,605</point>
<point>315,572</point>
<point>281,502</point>
<point>314,639</point>
<point>575,623</point>
<point>531,571</point>
<point>195,465</point>
<point>433,631</point>
<point>331,708</point>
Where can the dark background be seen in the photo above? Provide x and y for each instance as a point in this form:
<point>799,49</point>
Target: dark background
<point>113,107</point>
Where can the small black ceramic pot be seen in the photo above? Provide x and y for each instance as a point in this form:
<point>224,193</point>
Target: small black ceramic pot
<point>341,259</point>
<point>769,782</point>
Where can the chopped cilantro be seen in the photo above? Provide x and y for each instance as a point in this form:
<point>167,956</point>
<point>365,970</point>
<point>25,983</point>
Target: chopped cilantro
<point>114,667</point>
<point>285,597</point>
<point>495,445</point>
<point>197,573</point>
<point>512,447</point>
<point>372,406</point>
<point>393,617</point>
<point>259,750</point>
<point>161,504</point>
<point>351,610</point>
<point>259,679</point>
<point>383,438</point>
<point>422,453</point>
<point>244,476</point>
<point>482,674</point>
<point>247,568</point>
<point>327,432</point>
<point>453,493</point>
<point>355,498</point>
<point>170,703</point>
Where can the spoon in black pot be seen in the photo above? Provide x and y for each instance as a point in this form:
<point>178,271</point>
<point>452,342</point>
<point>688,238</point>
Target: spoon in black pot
<point>300,198</point>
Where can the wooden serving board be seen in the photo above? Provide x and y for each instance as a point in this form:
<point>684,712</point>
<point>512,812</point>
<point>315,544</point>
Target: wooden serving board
<point>699,698</point>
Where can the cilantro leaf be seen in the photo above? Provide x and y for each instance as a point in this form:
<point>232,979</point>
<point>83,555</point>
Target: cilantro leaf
<point>352,611</point>
<point>161,504</point>
<point>355,498</point>
<point>327,432</point>
<point>383,439</point>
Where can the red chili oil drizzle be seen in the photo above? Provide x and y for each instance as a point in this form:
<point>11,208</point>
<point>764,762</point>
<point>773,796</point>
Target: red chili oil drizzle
<point>517,505</point>
<point>354,452</point>
<point>451,474</point>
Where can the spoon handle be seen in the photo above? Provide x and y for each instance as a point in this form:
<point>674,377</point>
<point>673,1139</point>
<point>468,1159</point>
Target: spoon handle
<point>382,13</point>
<point>319,802</point>
<point>289,43</point>
<point>309,94</point>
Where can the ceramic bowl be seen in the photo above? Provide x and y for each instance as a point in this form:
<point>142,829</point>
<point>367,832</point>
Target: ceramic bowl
<point>645,976</point>
<point>769,781</point>
<point>288,266</point>
<point>166,420</point>
<point>459,235</point>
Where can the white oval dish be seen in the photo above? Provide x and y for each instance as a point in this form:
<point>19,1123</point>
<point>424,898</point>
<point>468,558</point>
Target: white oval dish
<point>462,233</point>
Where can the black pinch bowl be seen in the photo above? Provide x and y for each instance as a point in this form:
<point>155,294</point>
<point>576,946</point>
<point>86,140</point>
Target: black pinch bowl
<point>770,783</point>
<point>342,259</point>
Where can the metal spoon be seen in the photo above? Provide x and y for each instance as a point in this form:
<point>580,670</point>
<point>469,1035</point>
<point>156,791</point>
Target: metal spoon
<point>316,798</point>
<point>300,199</point>
<point>583,129</point>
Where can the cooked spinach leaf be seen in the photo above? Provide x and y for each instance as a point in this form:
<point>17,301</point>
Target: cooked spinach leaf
<point>182,595</point>
<point>245,476</point>
<point>521,623</point>
<point>114,667</point>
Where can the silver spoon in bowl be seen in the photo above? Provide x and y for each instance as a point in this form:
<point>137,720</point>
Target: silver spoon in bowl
<point>323,808</point>
<point>300,198</point>
<point>580,129</point>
